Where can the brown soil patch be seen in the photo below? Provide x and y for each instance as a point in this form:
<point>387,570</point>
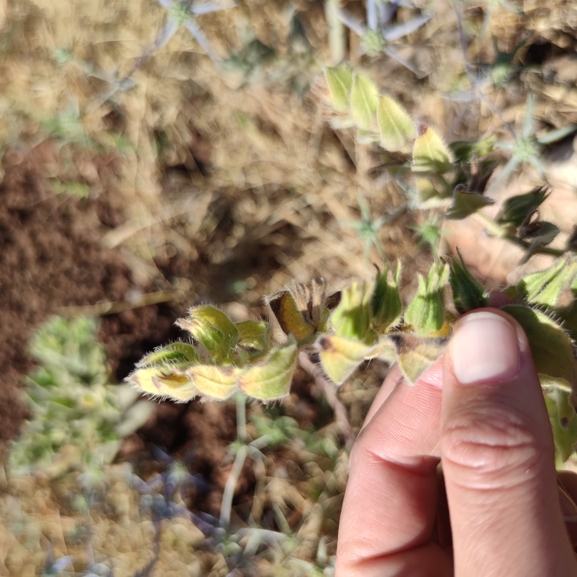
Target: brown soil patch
<point>52,257</point>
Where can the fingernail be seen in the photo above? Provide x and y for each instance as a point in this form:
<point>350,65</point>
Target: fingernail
<point>484,349</point>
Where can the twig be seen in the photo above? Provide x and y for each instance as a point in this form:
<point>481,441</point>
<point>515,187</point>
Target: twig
<point>336,31</point>
<point>497,230</point>
<point>228,493</point>
<point>331,396</point>
<point>114,307</point>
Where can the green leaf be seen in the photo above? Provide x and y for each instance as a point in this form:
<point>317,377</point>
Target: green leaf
<point>364,101</point>
<point>426,312</point>
<point>546,287</point>
<point>395,124</point>
<point>254,335</point>
<point>340,81</point>
<point>516,209</point>
<point>430,153</point>
<point>428,195</point>
<point>172,353</point>
<point>468,293</point>
<point>465,204</point>
<point>386,300</point>
<point>551,347</point>
<point>213,329</point>
<point>352,317</point>
<point>271,379</point>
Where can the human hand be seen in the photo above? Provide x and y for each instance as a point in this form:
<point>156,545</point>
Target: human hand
<point>480,412</point>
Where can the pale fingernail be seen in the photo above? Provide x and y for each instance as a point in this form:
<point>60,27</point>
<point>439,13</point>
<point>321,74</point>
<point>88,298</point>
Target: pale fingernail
<point>484,349</point>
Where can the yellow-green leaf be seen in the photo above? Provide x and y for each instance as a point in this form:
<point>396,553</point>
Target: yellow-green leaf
<point>416,354</point>
<point>341,356</point>
<point>215,382</point>
<point>551,347</point>
<point>211,327</point>
<point>164,382</point>
<point>364,100</point>
<point>272,378</point>
<point>395,124</point>
<point>340,81</point>
<point>430,153</point>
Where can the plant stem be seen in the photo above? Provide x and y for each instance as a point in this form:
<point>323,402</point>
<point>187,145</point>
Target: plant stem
<point>497,230</point>
<point>241,418</point>
<point>228,493</point>
<point>336,31</point>
<point>331,395</point>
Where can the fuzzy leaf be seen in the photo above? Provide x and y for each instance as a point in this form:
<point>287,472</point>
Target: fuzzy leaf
<point>340,82</point>
<point>468,293</point>
<point>271,379</point>
<point>428,196</point>
<point>164,382</point>
<point>416,354</point>
<point>352,318</point>
<point>551,347</point>
<point>172,353</point>
<point>254,335</point>
<point>426,312</point>
<point>386,300</point>
<point>364,100</point>
<point>395,124</point>
<point>517,208</point>
<point>289,315</point>
<point>465,204</point>
<point>212,328</point>
<point>430,153</point>
<point>546,287</point>
<point>341,356</point>
<point>214,381</point>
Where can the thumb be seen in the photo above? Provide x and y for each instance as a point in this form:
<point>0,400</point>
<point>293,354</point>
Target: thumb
<point>498,455</point>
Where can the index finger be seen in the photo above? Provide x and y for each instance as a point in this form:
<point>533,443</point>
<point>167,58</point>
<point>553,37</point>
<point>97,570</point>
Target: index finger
<point>389,509</point>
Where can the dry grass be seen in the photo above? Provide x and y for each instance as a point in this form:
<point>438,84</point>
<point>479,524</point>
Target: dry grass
<point>211,164</point>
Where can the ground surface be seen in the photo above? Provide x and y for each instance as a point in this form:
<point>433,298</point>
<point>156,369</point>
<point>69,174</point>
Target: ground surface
<point>186,184</point>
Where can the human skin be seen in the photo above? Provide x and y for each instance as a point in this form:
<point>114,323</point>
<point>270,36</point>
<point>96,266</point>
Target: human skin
<point>497,508</point>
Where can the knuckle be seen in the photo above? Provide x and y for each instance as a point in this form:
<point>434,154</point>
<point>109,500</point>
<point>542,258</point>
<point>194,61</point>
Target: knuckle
<point>497,447</point>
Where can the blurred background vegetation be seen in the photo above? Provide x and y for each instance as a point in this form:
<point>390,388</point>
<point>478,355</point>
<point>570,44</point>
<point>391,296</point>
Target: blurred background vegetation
<point>161,155</point>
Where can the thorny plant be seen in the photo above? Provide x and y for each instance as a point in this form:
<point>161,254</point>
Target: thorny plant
<point>377,34</point>
<point>368,320</point>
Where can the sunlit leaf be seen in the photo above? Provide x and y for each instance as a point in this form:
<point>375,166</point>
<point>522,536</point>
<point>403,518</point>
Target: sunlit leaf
<point>396,126</point>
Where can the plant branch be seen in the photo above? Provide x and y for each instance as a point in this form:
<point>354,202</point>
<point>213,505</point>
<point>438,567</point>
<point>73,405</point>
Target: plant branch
<point>331,395</point>
<point>497,230</point>
<point>228,493</point>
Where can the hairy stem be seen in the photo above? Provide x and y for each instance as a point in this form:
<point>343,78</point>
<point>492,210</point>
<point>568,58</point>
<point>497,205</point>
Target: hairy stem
<point>331,395</point>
